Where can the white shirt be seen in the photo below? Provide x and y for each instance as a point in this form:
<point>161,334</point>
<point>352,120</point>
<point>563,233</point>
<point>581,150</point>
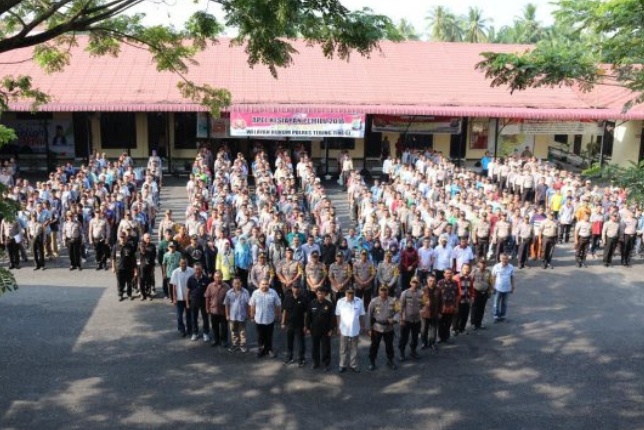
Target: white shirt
<point>442,257</point>
<point>503,276</point>
<point>462,256</point>
<point>425,256</point>
<point>179,278</point>
<point>349,313</point>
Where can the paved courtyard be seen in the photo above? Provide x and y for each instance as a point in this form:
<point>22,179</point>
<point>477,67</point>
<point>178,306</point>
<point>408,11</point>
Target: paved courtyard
<point>571,356</point>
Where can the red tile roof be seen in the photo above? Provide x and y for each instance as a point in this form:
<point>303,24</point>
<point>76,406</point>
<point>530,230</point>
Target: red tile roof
<point>410,77</point>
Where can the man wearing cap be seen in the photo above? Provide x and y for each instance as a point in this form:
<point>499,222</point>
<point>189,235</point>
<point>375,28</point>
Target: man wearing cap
<point>381,316</point>
<point>349,312</point>
<point>169,263</point>
<point>315,273</point>
<point>260,270</point>
<point>265,308</point>
<point>610,237</point>
<point>294,314</point>
<point>147,255</point>
<point>410,306</point>
<point>195,253</point>
<point>449,302</point>
<point>99,233</point>
<point>582,235</point>
<point>387,274</point>
<point>73,240</point>
<point>340,275</point>
<point>289,272</point>
<point>364,272</point>
<point>124,265</point>
<point>548,239</point>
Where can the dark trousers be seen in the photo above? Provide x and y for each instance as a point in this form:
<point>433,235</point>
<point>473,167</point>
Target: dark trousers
<point>365,295</point>
<point>38,249</point>
<point>184,322</point>
<point>293,334</point>
<point>444,324</point>
<point>265,337</point>
<point>629,244</point>
<point>478,308</point>
<point>582,247</point>
<point>167,290</point>
<point>429,331</point>
<point>321,344</point>
<point>528,195</point>
<point>524,250</point>
<point>460,318</point>
<point>243,275</point>
<point>196,309</point>
<point>482,245</point>
<point>102,251</point>
<point>439,274</point>
<point>219,328</point>
<point>14,252</point>
<point>146,280</point>
<point>594,244</point>
<point>410,328</point>
<point>74,249</point>
<point>124,282</point>
<point>405,279</point>
<point>609,249</point>
<point>564,232</point>
<point>549,243</point>
<point>376,337</point>
<point>501,247</point>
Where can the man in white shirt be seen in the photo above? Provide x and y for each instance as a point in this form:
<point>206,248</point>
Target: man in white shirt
<point>442,257</point>
<point>462,254</point>
<point>503,281</point>
<point>350,313</point>
<point>179,284</point>
<point>425,260</point>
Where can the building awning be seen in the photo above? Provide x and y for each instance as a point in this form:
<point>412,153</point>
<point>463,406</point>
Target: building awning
<point>110,107</point>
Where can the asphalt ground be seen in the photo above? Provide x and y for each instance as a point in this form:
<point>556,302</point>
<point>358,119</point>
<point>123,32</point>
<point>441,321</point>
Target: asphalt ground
<point>571,356</point>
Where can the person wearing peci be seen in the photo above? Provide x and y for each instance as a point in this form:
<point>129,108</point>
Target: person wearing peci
<point>410,307</point>
<point>215,296</point>
<point>350,313</point>
<point>503,281</point>
<point>320,325</point>
<point>73,240</point>
<point>482,288</point>
<point>236,306</point>
<point>449,301</point>
<point>196,303</point>
<point>429,313</point>
<point>381,316</point>
<point>147,263</point>
<point>179,285</point>
<point>294,314</point>
<point>265,307</point>
<point>124,266</point>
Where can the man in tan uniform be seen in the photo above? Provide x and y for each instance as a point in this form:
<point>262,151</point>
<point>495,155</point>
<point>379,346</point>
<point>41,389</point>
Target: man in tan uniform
<point>583,233</point>
<point>315,272</point>
<point>387,274</point>
<point>364,272</point>
<point>98,235</point>
<point>381,317</point>
<point>481,235</point>
<point>610,237</point>
<point>500,236</point>
<point>548,235</point>
<point>260,270</point>
<point>340,276</point>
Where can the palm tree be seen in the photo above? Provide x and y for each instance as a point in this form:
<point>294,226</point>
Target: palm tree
<point>443,25</point>
<point>531,31</point>
<point>475,26</point>
<point>407,30</point>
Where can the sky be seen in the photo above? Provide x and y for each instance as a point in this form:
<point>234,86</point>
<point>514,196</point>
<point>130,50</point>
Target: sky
<point>501,12</point>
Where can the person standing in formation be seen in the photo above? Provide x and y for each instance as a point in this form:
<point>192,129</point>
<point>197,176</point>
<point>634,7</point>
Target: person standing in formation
<point>381,317</point>
<point>320,325</point>
<point>350,313</point>
<point>449,303</point>
<point>582,236</point>
<point>482,288</point>
<point>215,295</point>
<point>503,281</point>
<point>236,306</point>
<point>124,266</point>
<point>294,314</point>
<point>99,234</point>
<point>410,307</point>
<point>73,241</point>
<point>196,303</point>
<point>265,306</point>
<point>147,263</point>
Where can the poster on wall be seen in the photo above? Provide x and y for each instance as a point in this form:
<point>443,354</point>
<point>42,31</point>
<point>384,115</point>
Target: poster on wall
<point>310,125</point>
<point>479,133</point>
<point>34,134</point>
<point>516,144</point>
<point>219,127</point>
<point>416,124</point>
<point>536,127</point>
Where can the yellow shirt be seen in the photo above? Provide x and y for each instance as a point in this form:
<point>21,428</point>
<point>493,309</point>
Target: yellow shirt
<point>226,263</point>
<point>556,202</point>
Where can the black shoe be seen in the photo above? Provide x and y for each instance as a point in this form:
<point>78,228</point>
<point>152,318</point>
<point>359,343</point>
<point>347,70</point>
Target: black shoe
<point>355,369</point>
<point>415,355</point>
<point>143,298</point>
<point>72,268</point>
<point>17,267</point>
<point>105,267</point>
<point>372,367</point>
<point>391,365</point>
<point>260,354</point>
<point>424,346</point>
<point>37,268</point>
<point>99,268</point>
<point>131,297</point>
<point>544,265</point>
<point>301,363</point>
<point>121,298</point>
<point>315,366</point>
<point>181,333</point>
<point>11,266</point>
<point>288,361</point>
<point>402,356</point>
<point>214,344</point>
<point>327,368</point>
<point>80,268</point>
<point>342,369</point>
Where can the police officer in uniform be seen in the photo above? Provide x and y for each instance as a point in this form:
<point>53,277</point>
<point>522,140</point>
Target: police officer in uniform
<point>320,324</point>
<point>381,317</point>
<point>340,277</point>
<point>525,233</point>
<point>147,255</point>
<point>630,235</point>
<point>315,273</point>
<point>364,272</point>
<point>481,235</point>
<point>124,265</point>
<point>387,274</point>
<point>289,272</point>
<point>548,239</point>
<point>73,240</point>
<point>500,236</point>
<point>99,232</point>
<point>36,232</point>
<point>260,270</point>
<point>410,305</point>
<point>610,237</point>
<point>583,234</point>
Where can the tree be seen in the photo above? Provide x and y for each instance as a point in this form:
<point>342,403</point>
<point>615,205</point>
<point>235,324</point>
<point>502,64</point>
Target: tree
<point>530,28</point>
<point>407,30</point>
<point>475,26</point>
<point>51,28</point>
<point>630,178</point>
<point>443,25</point>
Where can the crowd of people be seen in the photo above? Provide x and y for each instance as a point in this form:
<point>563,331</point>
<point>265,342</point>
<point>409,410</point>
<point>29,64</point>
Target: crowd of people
<point>428,244</point>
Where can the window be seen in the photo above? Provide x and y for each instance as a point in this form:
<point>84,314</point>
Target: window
<point>576,147</point>
<point>185,130</point>
<point>419,141</point>
<point>118,130</point>
<point>561,138</point>
<point>338,143</point>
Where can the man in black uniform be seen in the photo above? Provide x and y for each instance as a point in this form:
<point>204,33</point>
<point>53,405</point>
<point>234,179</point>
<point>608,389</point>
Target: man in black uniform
<point>320,323</point>
<point>147,254</point>
<point>195,252</point>
<point>124,265</point>
<point>294,311</point>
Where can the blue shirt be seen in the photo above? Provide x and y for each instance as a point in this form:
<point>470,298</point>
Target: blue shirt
<point>503,277</point>
<point>265,304</point>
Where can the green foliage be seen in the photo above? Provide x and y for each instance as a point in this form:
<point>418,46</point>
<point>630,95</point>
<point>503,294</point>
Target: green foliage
<point>630,177</point>
<point>407,30</point>
<point>7,281</point>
